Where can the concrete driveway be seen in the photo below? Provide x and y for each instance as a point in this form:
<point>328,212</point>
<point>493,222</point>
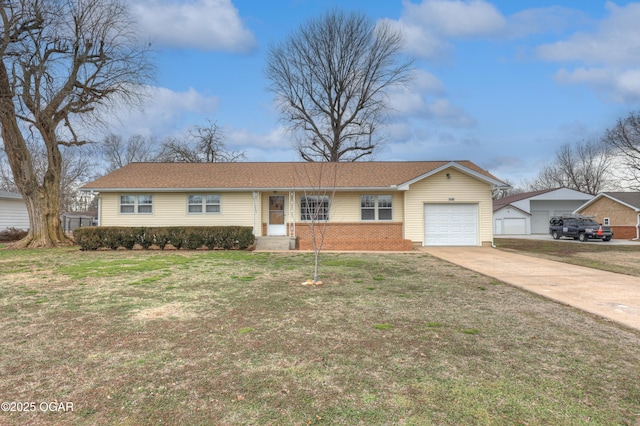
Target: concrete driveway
<point>606,294</point>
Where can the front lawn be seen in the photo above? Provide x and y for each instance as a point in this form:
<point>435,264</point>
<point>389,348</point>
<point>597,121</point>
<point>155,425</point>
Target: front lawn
<point>235,338</point>
<point>622,259</point>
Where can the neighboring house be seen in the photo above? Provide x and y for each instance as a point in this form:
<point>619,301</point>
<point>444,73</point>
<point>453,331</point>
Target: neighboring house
<point>376,206</point>
<point>529,212</point>
<point>619,210</point>
<point>13,211</point>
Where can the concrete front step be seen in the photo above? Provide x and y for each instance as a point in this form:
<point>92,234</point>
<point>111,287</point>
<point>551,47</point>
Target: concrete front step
<point>275,243</point>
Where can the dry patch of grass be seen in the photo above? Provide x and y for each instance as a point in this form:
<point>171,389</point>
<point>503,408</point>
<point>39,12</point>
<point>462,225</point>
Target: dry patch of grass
<point>234,338</point>
<point>623,259</point>
<point>168,311</point>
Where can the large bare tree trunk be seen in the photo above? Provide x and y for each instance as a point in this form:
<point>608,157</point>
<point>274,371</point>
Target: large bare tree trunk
<point>42,201</point>
<point>59,61</point>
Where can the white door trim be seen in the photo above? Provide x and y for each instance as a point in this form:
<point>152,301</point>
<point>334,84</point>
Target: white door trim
<point>276,215</point>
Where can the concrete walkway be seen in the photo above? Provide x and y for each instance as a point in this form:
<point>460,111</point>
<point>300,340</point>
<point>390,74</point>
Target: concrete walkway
<point>609,295</point>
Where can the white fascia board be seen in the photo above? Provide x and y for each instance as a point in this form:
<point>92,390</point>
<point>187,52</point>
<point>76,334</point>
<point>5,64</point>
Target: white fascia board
<point>562,194</point>
<point>453,164</point>
<point>511,206</point>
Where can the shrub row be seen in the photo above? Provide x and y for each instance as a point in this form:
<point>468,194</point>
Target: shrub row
<point>189,237</point>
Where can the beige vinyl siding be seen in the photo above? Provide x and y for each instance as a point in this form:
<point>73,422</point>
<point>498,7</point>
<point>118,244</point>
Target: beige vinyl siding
<point>345,207</point>
<point>438,188</point>
<point>170,209</point>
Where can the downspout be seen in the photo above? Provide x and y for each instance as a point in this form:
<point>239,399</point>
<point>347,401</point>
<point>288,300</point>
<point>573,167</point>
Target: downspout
<point>255,199</point>
<point>637,230</point>
<point>99,209</point>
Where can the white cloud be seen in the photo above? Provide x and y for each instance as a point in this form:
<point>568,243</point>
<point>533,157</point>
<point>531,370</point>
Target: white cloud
<point>457,18</point>
<point>429,25</point>
<point>450,114</point>
<point>277,138</point>
<point>552,19</point>
<point>620,85</point>
<point>198,24</point>
<point>609,56</point>
<point>162,113</point>
<point>616,41</point>
<point>424,99</point>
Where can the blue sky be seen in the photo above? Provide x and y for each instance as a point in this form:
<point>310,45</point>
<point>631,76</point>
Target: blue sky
<point>500,83</point>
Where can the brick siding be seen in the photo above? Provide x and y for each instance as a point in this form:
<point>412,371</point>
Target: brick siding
<point>355,236</point>
<point>624,232</point>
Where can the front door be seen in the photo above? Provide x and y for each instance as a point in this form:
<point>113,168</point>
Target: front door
<point>276,224</point>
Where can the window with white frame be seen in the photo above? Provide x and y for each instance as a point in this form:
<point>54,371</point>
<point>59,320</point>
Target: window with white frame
<point>376,207</point>
<point>197,204</point>
<point>140,204</point>
<point>607,221</point>
<point>313,208</point>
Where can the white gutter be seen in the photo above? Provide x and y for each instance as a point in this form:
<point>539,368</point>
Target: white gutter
<point>297,189</point>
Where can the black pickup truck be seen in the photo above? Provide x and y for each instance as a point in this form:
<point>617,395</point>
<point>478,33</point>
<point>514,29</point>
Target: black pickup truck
<point>578,228</point>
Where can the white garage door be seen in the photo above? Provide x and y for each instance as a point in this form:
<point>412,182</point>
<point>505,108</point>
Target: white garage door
<point>540,222</point>
<point>515,226</point>
<point>450,224</point>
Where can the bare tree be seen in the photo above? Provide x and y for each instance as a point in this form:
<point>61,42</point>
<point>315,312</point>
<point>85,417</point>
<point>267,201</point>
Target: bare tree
<point>319,189</point>
<point>498,193</point>
<point>204,144</point>
<point>60,59</point>
<point>584,166</point>
<point>624,141</point>
<point>330,80</point>
<point>117,152</point>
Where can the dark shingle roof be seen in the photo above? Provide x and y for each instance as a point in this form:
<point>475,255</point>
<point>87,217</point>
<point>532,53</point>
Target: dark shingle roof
<point>630,198</point>
<point>168,176</point>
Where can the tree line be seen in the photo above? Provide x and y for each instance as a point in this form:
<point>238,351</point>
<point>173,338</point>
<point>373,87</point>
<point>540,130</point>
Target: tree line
<point>608,163</point>
<point>202,143</point>
<point>62,62</point>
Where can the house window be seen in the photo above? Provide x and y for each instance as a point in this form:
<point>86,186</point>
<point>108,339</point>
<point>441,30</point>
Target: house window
<point>376,207</point>
<point>368,207</point>
<point>607,221</point>
<point>127,204</point>
<point>314,208</point>
<point>131,204</point>
<point>197,204</point>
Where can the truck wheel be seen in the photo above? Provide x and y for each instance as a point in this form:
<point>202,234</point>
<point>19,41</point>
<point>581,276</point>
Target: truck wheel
<point>555,235</point>
<point>606,239</point>
<point>582,237</point>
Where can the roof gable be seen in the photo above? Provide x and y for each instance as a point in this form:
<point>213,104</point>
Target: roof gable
<point>628,199</point>
<point>522,200</point>
<point>271,176</point>
<point>471,171</point>
<point>501,202</point>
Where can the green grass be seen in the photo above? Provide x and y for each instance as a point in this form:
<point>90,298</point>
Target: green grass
<point>234,338</point>
<point>383,326</point>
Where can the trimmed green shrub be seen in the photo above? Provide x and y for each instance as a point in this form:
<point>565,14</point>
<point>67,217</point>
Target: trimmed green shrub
<point>189,237</point>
